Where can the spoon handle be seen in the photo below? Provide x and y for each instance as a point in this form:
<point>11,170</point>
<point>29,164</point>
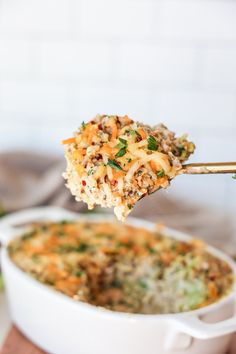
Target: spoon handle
<point>211,167</point>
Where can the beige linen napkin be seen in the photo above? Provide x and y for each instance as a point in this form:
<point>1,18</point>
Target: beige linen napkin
<point>31,179</point>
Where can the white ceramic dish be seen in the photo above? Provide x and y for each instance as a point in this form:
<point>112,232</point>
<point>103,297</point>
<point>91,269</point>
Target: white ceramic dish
<point>60,325</point>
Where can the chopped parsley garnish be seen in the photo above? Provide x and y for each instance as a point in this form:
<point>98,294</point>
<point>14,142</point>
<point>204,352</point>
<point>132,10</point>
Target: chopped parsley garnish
<point>121,152</point>
<point>64,248</point>
<point>122,143</point>
<point>61,233</point>
<point>152,143</point>
<point>122,146</point>
<point>180,148</point>
<point>128,244</point>
<point>82,247</point>
<point>36,258</point>
<point>114,164</point>
<point>67,248</point>
<point>90,171</point>
<point>103,234</point>
<point>161,173</point>
<point>142,284</point>
<point>64,222</point>
<point>135,133</point>
<point>44,227</point>
<point>83,125</point>
<point>129,160</point>
<point>29,235</point>
<point>116,283</point>
<point>234,176</point>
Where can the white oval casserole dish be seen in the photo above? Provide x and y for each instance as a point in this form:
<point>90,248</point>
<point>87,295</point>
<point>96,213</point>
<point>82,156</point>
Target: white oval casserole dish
<point>61,325</point>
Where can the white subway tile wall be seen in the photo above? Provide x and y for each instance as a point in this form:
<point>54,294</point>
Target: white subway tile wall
<point>63,61</point>
<point>115,19</point>
<point>155,63</point>
<point>197,19</point>
<point>220,67</point>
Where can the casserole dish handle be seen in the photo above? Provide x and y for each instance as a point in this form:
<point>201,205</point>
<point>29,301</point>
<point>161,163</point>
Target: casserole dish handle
<point>16,222</point>
<point>197,328</point>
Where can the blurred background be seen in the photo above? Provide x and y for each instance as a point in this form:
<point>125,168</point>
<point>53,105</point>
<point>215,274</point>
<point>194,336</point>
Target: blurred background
<point>171,61</point>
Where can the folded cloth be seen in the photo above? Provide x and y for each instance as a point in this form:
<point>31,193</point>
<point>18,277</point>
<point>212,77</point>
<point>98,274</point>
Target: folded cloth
<point>32,179</point>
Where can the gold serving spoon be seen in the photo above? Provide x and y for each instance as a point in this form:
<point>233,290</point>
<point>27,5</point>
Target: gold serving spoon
<point>211,167</point>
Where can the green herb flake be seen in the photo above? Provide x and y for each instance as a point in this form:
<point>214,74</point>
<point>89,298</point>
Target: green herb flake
<point>122,143</point>
<point>44,227</point>
<point>78,273</point>
<point>90,171</point>
<point>67,248</point>
<point>128,244</point>
<point>114,164</point>
<point>121,152</point>
<point>116,283</point>
<point>152,143</point>
<point>161,173</point>
<point>82,247</point>
<point>180,148</point>
<point>234,176</point>
<point>103,235</point>
<point>83,125</point>
<point>142,284</point>
<point>130,206</point>
<point>50,282</point>
<point>29,235</point>
<point>122,146</point>
<point>36,258</point>
<point>64,222</point>
<point>133,132</point>
<point>61,233</point>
